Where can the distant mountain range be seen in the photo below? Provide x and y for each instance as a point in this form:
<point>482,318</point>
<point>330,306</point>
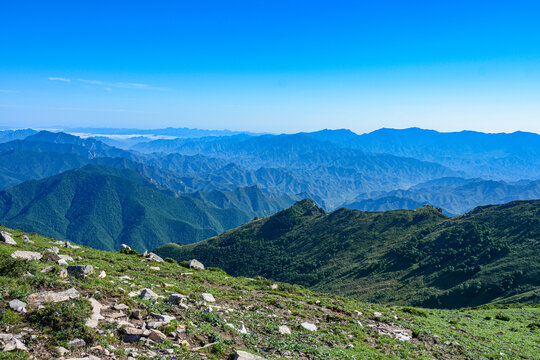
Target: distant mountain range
<point>259,174</point>
<point>416,257</point>
<point>454,195</point>
<point>508,157</point>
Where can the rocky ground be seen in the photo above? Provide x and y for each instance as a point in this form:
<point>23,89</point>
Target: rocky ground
<point>62,301</point>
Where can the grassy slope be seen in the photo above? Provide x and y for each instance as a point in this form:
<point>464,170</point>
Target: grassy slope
<point>406,256</point>
<point>463,334</point>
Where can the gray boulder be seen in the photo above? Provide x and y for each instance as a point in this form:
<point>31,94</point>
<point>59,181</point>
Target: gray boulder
<point>177,299</point>
<point>27,240</point>
<point>51,296</point>
<point>195,264</point>
<point>54,250</point>
<point>26,255</point>
<point>6,238</point>
<point>17,305</point>
<point>155,257</point>
<point>14,344</point>
<point>165,318</point>
<point>244,355</point>
<point>75,343</point>
<point>80,271</point>
<point>208,297</point>
<point>148,294</point>
<point>124,247</point>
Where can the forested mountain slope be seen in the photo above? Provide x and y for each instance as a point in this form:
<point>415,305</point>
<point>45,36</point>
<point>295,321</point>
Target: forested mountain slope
<point>103,207</point>
<point>416,257</point>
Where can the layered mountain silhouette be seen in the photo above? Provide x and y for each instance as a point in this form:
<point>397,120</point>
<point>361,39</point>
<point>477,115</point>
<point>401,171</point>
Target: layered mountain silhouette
<point>454,195</point>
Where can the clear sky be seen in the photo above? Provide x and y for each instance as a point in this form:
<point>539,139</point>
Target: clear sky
<point>276,66</point>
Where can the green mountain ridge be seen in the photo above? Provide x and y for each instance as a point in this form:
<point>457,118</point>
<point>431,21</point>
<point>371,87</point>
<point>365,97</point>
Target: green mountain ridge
<point>104,207</point>
<point>415,257</point>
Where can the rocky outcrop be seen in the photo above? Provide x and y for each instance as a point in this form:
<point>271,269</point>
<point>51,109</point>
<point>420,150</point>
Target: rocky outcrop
<point>80,271</point>
<point>26,255</point>
<point>195,264</point>
<point>51,296</point>
<point>6,238</point>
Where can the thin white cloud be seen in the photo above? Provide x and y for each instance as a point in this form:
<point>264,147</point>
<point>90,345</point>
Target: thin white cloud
<point>59,79</point>
<point>125,85</point>
<point>109,85</point>
<point>91,82</point>
<point>8,91</point>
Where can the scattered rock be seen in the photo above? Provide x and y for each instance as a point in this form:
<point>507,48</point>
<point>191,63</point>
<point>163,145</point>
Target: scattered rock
<point>75,343</point>
<point>309,326</point>
<point>47,269</point>
<point>377,314</point>
<point>132,331</point>
<point>124,247</point>
<point>152,256</point>
<point>177,299</point>
<point>51,296</point>
<point>396,332</point>
<point>165,318</point>
<point>63,263</point>
<point>120,307</point>
<point>66,257</point>
<point>136,314</point>
<point>70,246</point>
<point>243,330</point>
<point>14,344</point>
<point>50,257</point>
<point>132,338</point>
<point>243,355</point>
<point>62,350</point>
<point>54,250</point>
<point>156,335</point>
<point>93,321</point>
<point>17,305</point>
<point>208,297</point>
<point>6,238</point>
<point>26,255</point>
<point>284,329</point>
<point>274,286</point>
<point>195,264</point>
<point>155,268</point>
<point>155,324</point>
<point>27,240</point>
<point>80,271</point>
<point>148,294</point>
<point>102,274</point>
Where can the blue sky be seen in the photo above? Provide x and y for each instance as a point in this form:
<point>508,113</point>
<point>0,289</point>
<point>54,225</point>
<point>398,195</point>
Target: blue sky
<point>276,66</point>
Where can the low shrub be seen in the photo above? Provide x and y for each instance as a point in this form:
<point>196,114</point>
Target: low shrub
<point>14,268</point>
<point>413,311</point>
<point>502,317</point>
<point>64,320</point>
<point>129,252</point>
